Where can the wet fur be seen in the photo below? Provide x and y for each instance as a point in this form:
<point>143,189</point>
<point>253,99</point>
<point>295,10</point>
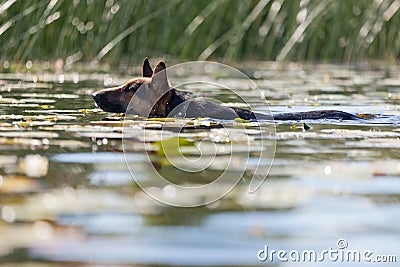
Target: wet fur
<point>175,101</point>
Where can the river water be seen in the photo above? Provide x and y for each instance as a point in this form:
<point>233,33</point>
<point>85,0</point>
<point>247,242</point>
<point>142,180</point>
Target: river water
<point>68,198</point>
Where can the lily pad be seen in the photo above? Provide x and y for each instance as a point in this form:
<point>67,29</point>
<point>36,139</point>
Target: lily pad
<point>171,146</point>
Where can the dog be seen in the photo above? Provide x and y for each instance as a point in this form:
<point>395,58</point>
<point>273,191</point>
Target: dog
<point>152,96</point>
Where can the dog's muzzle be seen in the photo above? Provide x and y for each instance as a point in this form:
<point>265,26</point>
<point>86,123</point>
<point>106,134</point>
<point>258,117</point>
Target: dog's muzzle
<point>96,98</point>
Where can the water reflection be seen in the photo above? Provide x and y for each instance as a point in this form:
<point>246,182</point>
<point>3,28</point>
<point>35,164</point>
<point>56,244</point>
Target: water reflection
<point>67,196</point>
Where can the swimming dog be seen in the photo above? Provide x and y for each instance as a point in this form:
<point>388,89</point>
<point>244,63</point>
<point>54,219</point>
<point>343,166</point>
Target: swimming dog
<point>152,96</point>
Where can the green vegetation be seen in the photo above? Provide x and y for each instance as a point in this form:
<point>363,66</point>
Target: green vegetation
<point>172,146</point>
<point>118,31</point>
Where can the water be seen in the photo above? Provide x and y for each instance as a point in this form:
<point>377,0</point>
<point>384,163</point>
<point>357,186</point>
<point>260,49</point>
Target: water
<point>68,197</point>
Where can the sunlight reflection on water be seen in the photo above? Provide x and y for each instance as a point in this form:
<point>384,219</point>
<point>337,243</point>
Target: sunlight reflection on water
<point>68,197</point>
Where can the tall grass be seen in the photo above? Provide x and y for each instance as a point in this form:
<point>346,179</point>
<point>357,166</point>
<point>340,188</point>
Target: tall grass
<point>122,30</point>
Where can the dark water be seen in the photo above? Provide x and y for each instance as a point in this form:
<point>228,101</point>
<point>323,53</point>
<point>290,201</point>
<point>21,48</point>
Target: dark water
<point>67,196</point>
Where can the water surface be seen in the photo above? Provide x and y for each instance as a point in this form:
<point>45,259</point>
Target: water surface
<point>68,197</point>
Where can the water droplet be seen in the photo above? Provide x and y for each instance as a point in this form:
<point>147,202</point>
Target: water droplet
<point>75,21</point>
<point>327,170</point>
<point>28,64</point>
<point>81,27</point>
<point>89,25</point>
<point>35,165</point>
<point>114,9</point>
<point>75,78</point>
<point>8,214</point>
<point>61,78</point>
<point>42,230</point>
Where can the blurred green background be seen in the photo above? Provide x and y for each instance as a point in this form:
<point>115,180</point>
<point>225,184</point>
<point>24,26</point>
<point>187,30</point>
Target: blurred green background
<point>116,31</point>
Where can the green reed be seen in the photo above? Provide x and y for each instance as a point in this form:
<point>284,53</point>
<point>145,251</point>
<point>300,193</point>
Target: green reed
<point>118,31</point>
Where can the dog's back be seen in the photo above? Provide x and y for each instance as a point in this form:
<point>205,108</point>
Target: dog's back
<point>152,96</point>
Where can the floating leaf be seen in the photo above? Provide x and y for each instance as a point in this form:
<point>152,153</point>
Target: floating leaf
<point>32,123</point>
<point>366,116</point>
<point>46,106</point>
<point>240,120</point>
<point>171,146</point>
<point>162,119</point>
<point>86,111</point>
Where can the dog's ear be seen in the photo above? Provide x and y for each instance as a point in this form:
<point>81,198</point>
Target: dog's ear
<point>160,66</point>
<point>146,70</point>
<point>160,79</point>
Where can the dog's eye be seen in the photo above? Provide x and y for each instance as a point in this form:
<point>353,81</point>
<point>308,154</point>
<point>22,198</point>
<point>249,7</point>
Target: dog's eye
<point>130,88</point>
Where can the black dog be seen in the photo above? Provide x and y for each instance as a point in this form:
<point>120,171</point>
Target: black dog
<point>154,97</point>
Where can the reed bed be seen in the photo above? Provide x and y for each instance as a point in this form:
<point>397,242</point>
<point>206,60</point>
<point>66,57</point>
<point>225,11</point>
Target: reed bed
<point>115,31</point>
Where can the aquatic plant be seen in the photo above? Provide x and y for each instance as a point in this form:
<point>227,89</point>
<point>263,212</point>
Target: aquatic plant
<point>119,30</point>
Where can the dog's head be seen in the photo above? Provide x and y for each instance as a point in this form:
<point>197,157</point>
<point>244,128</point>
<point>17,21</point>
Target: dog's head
<point>152,92</point>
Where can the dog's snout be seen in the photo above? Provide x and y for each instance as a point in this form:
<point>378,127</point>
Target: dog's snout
<point>96,96</point>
